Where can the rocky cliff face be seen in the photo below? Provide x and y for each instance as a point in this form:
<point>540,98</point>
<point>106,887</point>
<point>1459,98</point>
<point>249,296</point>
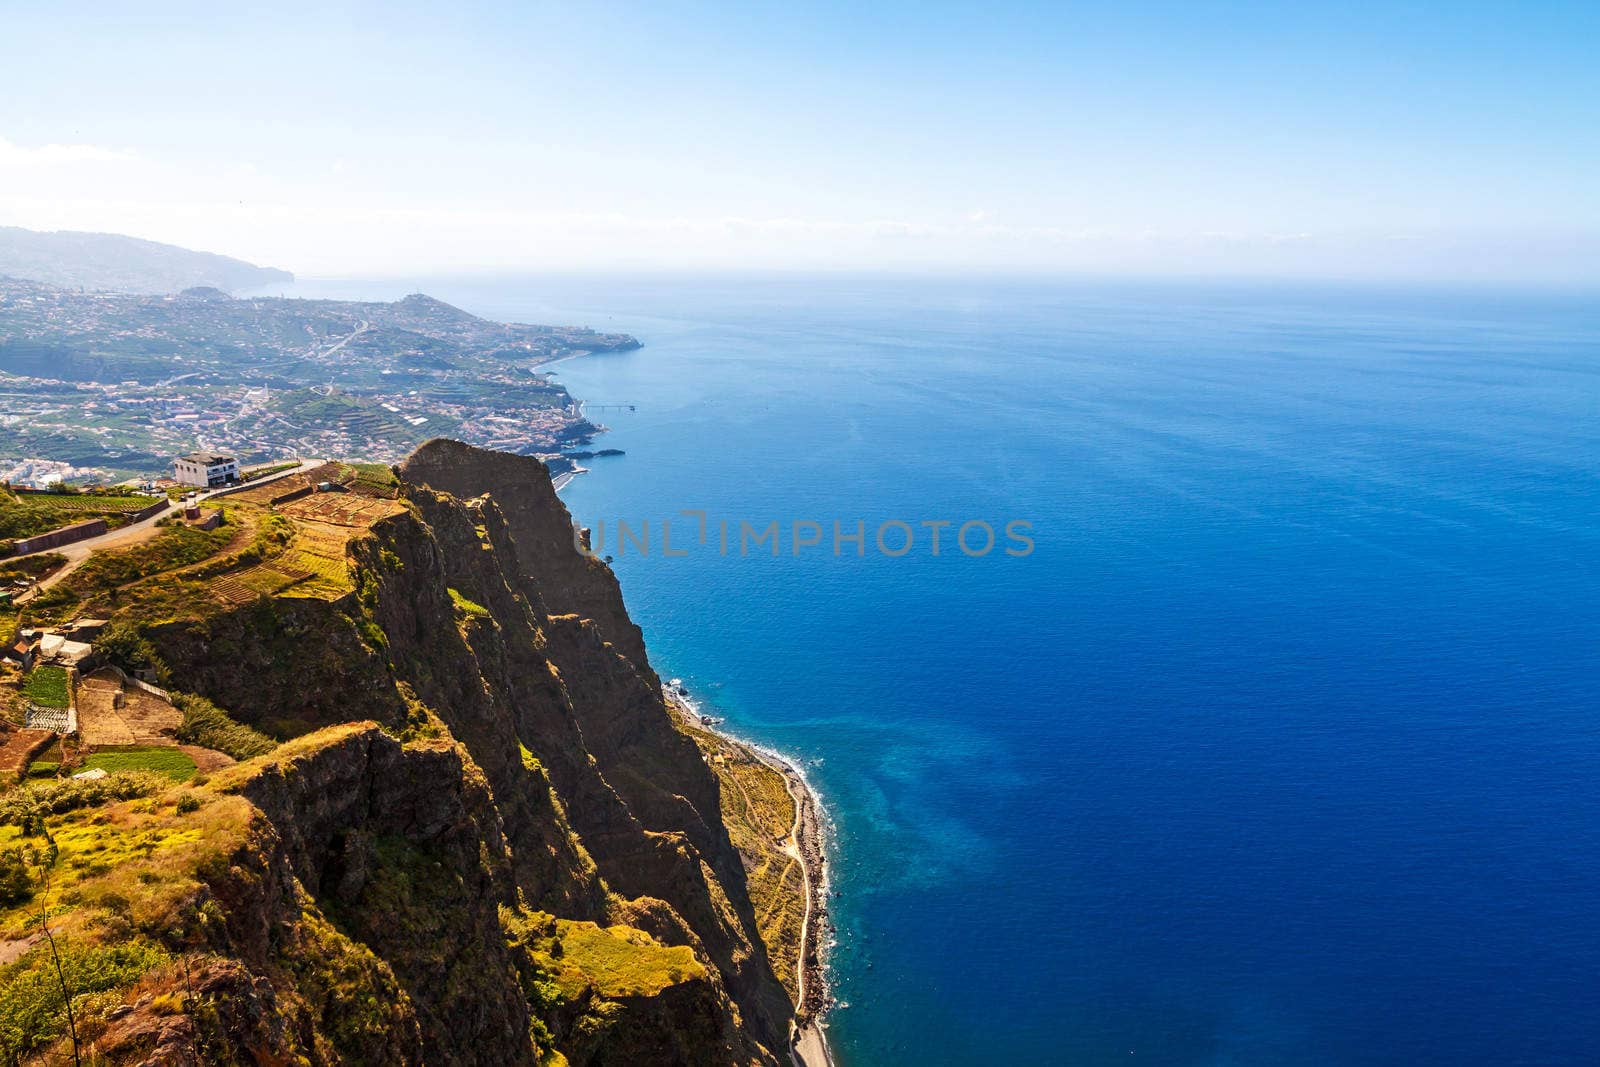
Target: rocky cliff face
<point>520,854</point>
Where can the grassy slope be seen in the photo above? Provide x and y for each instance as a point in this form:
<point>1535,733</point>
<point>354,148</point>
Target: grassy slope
<point>115,889</point>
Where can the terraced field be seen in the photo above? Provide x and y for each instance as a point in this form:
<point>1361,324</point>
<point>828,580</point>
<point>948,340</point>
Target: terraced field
<point>244,586</point>
<point>376,479</point>
<point>324,564</point>
<point>92,503</point>
<point>318,552</point>
<point>340,509</point>
<point>230,590</point>
<point>264,495</point>
<point>268,547</point>
<point>271,577</point>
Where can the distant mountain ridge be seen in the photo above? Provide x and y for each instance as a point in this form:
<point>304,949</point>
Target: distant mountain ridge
<point>129,264</point>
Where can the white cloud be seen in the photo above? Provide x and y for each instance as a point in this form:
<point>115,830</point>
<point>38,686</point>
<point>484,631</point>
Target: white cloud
<point>13,155</point>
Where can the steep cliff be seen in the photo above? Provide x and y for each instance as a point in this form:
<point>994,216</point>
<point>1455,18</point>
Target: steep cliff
<point>489,841</point>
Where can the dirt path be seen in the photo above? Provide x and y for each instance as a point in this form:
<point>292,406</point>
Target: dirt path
<point>804,846</point>
<point>791,848</point>
<point>12,951</point>
<point>206,760</point>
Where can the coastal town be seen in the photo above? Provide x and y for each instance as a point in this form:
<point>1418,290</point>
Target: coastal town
<point>104,387</point>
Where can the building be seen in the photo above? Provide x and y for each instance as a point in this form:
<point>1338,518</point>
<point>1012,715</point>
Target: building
<point>83,629</point>
<point>24,653</point>
<point>208,469</point>
<point>59,648</point>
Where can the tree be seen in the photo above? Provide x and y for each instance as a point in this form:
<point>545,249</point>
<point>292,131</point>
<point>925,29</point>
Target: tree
<point>47,860</point>
<point>16,884</point>
<point>122,645</point>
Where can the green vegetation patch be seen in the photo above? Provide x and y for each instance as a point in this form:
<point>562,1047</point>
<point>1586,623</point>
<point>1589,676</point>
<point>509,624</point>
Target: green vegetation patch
<point>112,865</point>
<point>283,758</point>
<point>272,533</point>
<point>30,567</point>
<point>168,761</point>
<point>176,546</point>
<point>47,687</point>
<point>91,849</point>
<point>122,644</point>
<point>615,961</point>
<point>32,1007</point>
<point>264,580</point>
<point>257,473</point>
<point>207,725</point>
<point>623,962</point>
<point>465,606</point>
<point>376,475</point>
<point>759,814</point>
<point>98,502</point>
<point>355,991</point>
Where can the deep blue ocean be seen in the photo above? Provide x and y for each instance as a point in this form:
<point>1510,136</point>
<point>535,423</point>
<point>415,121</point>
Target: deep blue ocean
<point>1282,746</point>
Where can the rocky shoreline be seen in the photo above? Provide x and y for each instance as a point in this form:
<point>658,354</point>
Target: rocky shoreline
<point>808,843</point>
<point>810,1047</point>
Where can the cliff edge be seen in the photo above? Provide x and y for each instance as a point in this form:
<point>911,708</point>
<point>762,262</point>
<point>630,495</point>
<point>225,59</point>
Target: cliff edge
<point>480,836</point>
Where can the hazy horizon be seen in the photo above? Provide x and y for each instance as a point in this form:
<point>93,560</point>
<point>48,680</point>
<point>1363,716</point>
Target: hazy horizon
<point>1440,143</point>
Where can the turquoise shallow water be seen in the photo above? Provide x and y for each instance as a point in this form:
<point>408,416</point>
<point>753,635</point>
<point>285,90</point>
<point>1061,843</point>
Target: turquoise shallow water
<point>1279,748</point>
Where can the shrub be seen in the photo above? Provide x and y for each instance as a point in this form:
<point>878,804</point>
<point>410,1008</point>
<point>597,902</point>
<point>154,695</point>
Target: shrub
<point>34,565</point>
<point>373,634</point>
<point>122,645</point>
<point>31,801</point>
<point>26,518</point>
<point>209,726</point>
<point>272,533</point>
<point>16,884</point>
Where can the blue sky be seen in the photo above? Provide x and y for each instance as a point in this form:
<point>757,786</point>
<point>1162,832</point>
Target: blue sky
<point>1428,141</point>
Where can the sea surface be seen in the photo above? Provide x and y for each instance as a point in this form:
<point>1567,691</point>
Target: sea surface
<point>1283,744</point>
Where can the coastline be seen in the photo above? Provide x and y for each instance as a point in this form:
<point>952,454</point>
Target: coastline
<point>806,843</point>
<point>808,1045</point>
